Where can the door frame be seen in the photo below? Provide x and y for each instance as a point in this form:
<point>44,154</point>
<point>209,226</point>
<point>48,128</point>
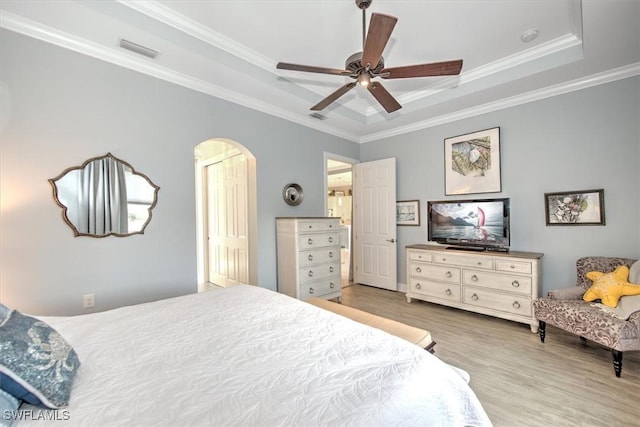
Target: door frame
<point>351,161</point>
<point>211,151</point>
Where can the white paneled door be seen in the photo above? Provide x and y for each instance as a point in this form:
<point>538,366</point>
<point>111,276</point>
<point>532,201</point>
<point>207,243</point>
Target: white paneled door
<point>374,217</point>
<point>227,222</point>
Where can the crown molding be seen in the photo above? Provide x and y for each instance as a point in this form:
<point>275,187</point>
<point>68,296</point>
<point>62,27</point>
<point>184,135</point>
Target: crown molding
<point>504,69</point>
<point>502,65</point>
<point>193,28</point>
<point>525,98</point>
<point>18,24</point>
<point>476,76</point>
<point>205,34</point>
<point>65,40</point>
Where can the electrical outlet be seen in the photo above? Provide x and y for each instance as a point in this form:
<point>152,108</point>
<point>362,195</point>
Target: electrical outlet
<point>88,300</point>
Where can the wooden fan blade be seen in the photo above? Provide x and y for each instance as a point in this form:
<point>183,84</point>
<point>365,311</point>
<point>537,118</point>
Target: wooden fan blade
<point>384,98</point>
<point>447,68</point>
<point>380,29</point>
<point>311,69</point>
<point>334,96</point>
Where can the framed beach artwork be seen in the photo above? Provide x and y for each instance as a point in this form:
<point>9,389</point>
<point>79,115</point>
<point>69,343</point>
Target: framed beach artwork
<point>584,207</point>
<point>472,163</point>
<point>408,212</point>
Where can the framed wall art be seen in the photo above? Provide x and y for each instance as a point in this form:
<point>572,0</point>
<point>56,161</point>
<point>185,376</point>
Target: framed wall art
<point>584,207</point>
<point>408,212</point>
<point>472,163</point>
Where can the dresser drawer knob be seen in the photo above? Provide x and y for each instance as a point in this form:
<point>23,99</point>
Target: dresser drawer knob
<point>475,297</point>
<point>310,273</point>
<point>448,275</point>
<point>330,254</point>
<point>330,239</point>
<point>331,269</point>
<point>479,262</point>
<point>310,241</point>
<point>513,266</point>
<point>418,286</point>
<point>331,285</point>
<point>310,257</point>
<point>474,278</point>
<point>448,292</point>
<point>516,304</point>
<point>515,284</point>
<point>418,270</point>
<point>311,291</point>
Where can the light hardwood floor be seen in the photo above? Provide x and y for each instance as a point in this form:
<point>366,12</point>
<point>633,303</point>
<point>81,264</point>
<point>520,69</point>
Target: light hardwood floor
<point>519,380</point>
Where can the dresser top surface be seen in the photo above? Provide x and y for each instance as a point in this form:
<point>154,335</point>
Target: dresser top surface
<point>512,254</point>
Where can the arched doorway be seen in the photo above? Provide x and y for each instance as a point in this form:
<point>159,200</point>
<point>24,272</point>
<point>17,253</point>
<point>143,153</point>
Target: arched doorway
<point>226,214</point>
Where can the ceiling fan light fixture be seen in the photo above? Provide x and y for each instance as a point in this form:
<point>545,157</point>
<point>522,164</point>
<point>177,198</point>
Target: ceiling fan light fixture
<point>368,64</point>
<point>364,79</point>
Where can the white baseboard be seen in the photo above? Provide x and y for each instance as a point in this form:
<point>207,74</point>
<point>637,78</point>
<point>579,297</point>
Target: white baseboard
<point>402,287</point>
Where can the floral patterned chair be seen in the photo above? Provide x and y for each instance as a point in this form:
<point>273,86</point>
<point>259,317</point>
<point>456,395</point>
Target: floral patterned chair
<point>565,309</point>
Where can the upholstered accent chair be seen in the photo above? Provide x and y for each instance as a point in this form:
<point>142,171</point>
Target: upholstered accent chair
<point>565,309</point>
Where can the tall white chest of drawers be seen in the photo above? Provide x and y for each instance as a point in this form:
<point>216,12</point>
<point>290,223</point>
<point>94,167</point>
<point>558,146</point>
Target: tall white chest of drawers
<point>500,284</point>
<point>309,257</point>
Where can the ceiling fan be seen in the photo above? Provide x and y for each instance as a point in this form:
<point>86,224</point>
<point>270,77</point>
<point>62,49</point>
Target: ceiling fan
<point>368,64</point>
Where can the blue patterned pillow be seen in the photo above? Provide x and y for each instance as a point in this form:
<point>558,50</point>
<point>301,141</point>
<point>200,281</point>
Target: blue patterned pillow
<point>37,365</point>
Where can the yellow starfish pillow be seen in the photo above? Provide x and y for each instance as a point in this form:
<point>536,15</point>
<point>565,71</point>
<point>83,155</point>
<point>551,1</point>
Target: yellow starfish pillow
<point>609,287</point>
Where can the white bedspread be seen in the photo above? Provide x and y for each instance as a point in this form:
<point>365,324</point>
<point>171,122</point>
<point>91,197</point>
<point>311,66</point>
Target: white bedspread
<point>249,356</point>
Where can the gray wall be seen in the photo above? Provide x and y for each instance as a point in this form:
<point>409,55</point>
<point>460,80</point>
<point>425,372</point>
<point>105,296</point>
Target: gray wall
<point>583,140</point>
<point>60,108</point>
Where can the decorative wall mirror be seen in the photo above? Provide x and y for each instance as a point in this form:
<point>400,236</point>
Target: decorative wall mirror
<point>105,196</point>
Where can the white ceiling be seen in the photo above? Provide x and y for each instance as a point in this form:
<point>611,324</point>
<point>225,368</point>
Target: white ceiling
<point>339,174</point>
<point>229,49</point>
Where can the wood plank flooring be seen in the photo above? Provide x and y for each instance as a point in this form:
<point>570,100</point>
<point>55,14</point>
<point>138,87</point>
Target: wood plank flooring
<point>519,380</point>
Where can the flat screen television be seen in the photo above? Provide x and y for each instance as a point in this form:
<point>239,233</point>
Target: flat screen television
<point>477,224</point>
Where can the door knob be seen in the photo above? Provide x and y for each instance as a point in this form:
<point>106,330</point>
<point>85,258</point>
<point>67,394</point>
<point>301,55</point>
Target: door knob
<point>391,240</point>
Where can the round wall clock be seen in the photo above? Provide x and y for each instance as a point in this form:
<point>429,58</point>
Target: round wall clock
<point>292,194</point>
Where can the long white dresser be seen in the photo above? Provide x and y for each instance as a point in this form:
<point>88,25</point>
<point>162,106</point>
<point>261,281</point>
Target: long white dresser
<point>500,284</point>
<point>309,257</point>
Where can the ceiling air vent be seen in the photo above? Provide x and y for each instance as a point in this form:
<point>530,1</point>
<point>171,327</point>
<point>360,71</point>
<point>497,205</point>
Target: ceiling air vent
<point>318,116</point>
<point>139,49</point>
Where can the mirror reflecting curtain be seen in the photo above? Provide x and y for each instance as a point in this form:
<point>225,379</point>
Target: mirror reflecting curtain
<point>105,196</point>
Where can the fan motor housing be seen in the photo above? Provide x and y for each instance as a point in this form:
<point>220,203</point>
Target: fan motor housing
<point>363,4</point>
<point>354,63</point>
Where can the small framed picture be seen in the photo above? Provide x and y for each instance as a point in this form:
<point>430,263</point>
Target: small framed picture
<point>408,212</point>
<point>472,163</point>
<point>584,207</point>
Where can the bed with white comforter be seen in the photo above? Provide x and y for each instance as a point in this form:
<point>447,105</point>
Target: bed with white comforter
<point>252,357</point>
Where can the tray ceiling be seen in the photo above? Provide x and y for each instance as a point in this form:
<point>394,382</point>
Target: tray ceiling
<point>229,49</point>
